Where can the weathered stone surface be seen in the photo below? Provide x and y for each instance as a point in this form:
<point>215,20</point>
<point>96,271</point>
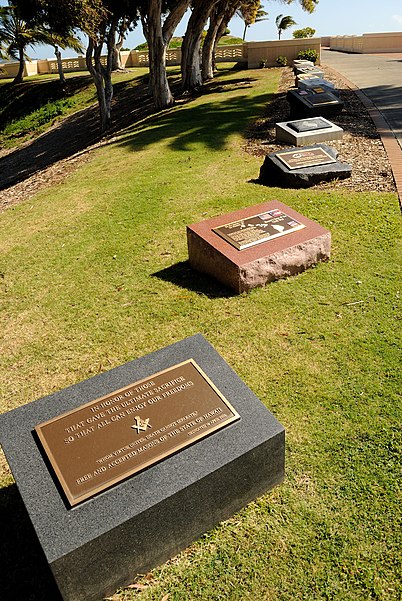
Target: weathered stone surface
<point>258,265</point>
<point>304,103</point>
<point>274,172</point>
<point>287,134</point>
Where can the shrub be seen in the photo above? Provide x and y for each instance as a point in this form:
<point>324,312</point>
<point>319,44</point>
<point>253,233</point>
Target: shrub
<point>282,61</point>
<point>306,32</point>
<point>308,55</point>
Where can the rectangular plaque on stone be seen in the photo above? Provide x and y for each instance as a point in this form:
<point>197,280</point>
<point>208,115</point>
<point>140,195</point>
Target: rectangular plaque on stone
<point>259,264</point>
<point>258,228</point>
<point>103,542</point>
<point>113,437</point>
<point>325,98</point>
<point>305,157</point>
<point>313,124</point>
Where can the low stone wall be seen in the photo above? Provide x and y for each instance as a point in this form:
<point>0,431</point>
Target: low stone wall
<point>368,43</point>
<point>249,53</point>
<point>269,51</point>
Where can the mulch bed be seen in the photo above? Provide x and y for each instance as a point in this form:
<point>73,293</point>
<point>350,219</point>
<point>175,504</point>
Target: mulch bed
<point>361,145</point>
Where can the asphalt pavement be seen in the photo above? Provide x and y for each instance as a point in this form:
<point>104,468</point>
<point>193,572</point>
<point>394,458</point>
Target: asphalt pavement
<point>379,76</point>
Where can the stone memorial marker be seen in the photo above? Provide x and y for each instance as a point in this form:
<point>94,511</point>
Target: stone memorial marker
<point>313,82</point>
<point>308,70</point>
<point>122,471</point>
<point>306,103</point>
<point>303,167</point>
<point>307,125</point>
<point>256,245</point>
<point>307,131</point>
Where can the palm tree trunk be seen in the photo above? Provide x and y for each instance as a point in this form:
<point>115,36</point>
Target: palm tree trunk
<point>59,64</point>
<point>20,75</point>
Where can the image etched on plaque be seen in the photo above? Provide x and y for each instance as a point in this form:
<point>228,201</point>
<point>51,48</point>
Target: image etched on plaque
<point>309,125</point>
<point>105,441</point>
<point>258,228</point>
<point>305,157</point>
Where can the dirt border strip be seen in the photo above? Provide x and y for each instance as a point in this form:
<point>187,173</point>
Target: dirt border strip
<point>388,138</point>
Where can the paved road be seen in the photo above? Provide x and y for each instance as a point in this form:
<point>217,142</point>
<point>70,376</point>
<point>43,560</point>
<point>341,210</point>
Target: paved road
<point>378,76</point>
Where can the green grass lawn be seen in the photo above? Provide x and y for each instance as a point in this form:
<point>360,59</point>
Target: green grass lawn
<point>94,273</point>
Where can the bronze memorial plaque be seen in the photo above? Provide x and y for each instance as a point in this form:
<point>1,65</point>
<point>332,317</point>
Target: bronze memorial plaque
<point>258,228</point>
<point>103,442</point>
<point>305,157</point>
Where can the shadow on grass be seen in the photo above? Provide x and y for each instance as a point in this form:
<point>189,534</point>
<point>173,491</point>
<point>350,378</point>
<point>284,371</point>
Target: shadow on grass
<point>184,276</point>
<point>25,571</point>
<point>132,112</point>
<point>208,123</point>
<point>75,134</point>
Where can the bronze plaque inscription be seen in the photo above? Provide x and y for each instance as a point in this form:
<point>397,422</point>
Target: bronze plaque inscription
<point>103,442</point>
<point>258,228</point>
<point>305,157</point>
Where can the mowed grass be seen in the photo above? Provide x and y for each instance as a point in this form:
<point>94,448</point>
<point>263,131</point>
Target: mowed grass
<point>94,273</point>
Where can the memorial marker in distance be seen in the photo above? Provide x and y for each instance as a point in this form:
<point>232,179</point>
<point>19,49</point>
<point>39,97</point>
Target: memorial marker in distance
<point>309,124</point>
<point>306,103</point>
<point>303,167</point>
<point>307,131</point>
<point>305,157</point>
<point>201,456</point>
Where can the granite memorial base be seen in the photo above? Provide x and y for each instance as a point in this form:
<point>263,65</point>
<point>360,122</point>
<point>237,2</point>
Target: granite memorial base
<point>275,172</point>
<point>103,541</point>
<point>280,256</point>
<point>308,70</point>
<point>305,103</point>
<point>307,131</point>
<point>317,82</point>
<point>300,62</point>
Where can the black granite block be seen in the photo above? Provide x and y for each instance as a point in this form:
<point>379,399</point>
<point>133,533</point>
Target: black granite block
<point>103,542</point>
<point>274,172</point>
<point>305,103</point>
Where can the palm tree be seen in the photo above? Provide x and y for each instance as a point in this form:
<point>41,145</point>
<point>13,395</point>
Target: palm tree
<point>68,40</point>
<point>251,12</point>
<point>16,35</point>
<point>283,23</point>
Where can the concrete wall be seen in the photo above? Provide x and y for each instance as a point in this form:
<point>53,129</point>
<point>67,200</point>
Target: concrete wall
<point>269,51</point>
<point>368,43</point>
<point>249,53</point>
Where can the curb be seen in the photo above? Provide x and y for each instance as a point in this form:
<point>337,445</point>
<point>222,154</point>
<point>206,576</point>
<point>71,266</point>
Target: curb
<point>387,136</point>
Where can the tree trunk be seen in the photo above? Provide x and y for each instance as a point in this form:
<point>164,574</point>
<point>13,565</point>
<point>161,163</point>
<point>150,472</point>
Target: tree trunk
<point>59,64</point>
<point>20,75</point>
<point>244,32</point>
<point>116,57</point>
<point>158,39</point>
<point>190,50</point>
<point>95,68</point>
<point>219,18</point>
<point>208,47</point>
<point>158,82</point>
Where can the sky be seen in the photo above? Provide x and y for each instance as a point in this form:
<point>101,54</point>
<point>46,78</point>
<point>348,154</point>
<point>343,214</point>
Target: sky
<point>331,17</point>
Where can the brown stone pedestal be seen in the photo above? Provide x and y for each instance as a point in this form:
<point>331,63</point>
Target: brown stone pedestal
<point>265,262</point>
